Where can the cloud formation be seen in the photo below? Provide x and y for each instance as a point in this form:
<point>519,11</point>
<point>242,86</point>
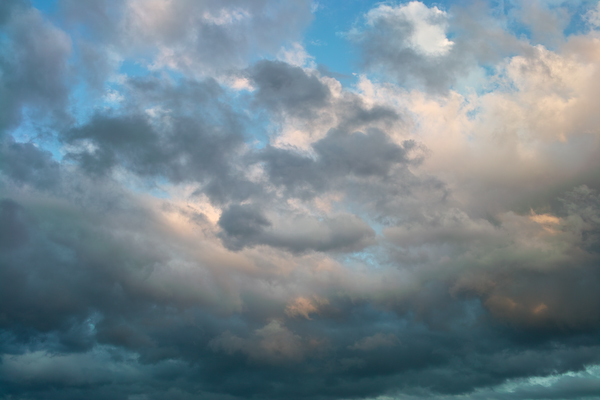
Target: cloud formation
<point>191,208</point>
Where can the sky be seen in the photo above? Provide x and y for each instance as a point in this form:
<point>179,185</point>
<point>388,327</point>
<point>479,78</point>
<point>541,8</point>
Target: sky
<point>234,199</point>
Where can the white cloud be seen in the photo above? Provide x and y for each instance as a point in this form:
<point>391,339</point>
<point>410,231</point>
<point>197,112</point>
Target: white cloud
<point>593,16</point>
<point>421,27</point>
<point>296,55</point>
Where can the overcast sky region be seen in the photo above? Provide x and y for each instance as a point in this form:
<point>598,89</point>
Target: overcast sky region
<point>307,199</point>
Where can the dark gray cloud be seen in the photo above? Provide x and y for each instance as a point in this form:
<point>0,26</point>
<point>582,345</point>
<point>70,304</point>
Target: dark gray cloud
<point>14,232</point>
<point>583,215</point>
<point>33,65</point>
<point>26,164</point>
<point>8,7</point>
<point>242,222</point>
<point>192,137</point>
<point>371,154</point>
<point>292,91</point>
<point>247,226</point>
<point>63,294</point>
<point>339,155</point>
<point>283,86</point>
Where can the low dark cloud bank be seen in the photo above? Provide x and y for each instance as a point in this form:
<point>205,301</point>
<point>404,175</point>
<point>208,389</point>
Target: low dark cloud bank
<point>229,224</point>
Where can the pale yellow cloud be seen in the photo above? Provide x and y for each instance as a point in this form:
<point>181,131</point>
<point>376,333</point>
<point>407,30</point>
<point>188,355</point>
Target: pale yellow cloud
<point>302,306</point>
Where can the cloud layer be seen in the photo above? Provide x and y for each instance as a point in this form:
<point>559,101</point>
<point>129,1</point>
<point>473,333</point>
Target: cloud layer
<point>191,208</point>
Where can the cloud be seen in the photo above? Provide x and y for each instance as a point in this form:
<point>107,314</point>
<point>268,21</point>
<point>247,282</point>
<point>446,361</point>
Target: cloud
<point>302,306</point>
<point>33,63</point>
<point>246,226</point>
<point>190,137</point>
<point>283,85</point>
<point>422,28</point>
<point>26,164</point>
<point>338,155</point>
<point>183,215</point>
<point>177,36</point>
<point>273,344</point>
<point>593,16</point>
<point>546,24</point>
<point>410,43</point>
<point>373,342</point>
<point>14,232</point>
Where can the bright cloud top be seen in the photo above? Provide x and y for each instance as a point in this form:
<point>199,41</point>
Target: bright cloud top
<point>422,28</point>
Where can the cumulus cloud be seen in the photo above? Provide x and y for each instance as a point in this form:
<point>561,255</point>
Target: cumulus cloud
<point>421,28</point>
<point>178,35</point>
<point>283,85</point>
<point>410,43</point>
